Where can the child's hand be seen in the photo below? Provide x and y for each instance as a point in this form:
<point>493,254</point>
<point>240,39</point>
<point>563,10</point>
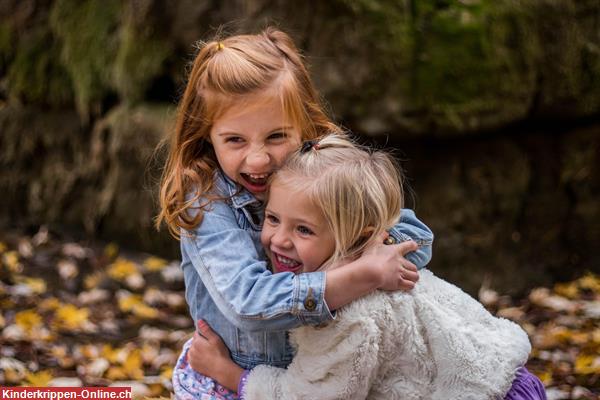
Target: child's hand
<point>395,271</point>
<point>209,356</point>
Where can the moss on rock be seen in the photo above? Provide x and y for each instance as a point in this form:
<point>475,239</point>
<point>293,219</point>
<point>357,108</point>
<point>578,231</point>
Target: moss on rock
<point>35,75</point>
<point>141,54</point>
<point>87,31</point>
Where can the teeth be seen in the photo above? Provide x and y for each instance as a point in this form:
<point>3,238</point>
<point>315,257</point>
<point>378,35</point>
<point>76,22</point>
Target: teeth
<point>258,176</point>
<point>287,261</point>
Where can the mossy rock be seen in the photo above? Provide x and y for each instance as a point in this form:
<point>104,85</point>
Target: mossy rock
<point>34,75</point>
<point>87,31</point>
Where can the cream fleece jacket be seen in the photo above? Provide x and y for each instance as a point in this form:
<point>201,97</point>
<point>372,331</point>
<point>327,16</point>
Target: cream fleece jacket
<point>435,342</point>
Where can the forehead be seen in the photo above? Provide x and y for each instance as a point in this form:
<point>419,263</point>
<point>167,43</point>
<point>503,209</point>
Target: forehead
<point>289,199</point>
<point>273,104</point>
<point>250,110</point>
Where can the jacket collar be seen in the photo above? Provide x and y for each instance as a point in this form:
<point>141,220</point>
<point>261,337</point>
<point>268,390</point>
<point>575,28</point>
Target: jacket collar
<point>240,196</point>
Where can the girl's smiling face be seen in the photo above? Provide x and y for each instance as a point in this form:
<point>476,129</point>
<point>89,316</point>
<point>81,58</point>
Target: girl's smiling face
<point>252,139</point>
<point>295,234</point>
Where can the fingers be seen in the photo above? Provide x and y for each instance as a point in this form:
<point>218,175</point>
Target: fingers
<point>407,247</point>
<point>206,332</point>
<point>410,276</point>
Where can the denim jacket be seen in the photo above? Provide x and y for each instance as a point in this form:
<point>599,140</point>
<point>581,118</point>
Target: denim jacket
<point>229,285</point>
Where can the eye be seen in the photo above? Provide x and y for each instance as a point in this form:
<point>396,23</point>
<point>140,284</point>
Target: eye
<point>303,230</point>
<point>234,139</point>
<point>277,136</point>
<point>271,219</point>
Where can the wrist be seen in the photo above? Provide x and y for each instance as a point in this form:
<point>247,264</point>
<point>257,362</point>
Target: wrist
<point>364,274</point>
<point>229,375</point>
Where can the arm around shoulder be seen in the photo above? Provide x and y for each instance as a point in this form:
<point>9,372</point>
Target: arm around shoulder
<point>409,227</point>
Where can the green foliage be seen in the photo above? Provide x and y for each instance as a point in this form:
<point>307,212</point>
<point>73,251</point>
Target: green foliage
<point>35,74</point>
<point>139,59</point>
<point>88,34</point>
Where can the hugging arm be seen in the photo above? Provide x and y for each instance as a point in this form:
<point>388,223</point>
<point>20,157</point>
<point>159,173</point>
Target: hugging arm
<point>411,228</point>
<point>225,258</point>
<point>340,361</point>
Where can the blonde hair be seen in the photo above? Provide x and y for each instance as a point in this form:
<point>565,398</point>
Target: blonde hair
<point>224,73</point>
<point>358,190</point>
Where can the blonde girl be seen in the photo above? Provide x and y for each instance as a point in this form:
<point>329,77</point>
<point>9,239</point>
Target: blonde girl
<point>326,206</point>
<point>248,104</point>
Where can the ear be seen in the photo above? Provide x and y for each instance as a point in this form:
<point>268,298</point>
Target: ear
<point>367,232</point>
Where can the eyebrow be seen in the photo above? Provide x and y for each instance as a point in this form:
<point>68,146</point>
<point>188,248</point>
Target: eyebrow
<point>282,128</point>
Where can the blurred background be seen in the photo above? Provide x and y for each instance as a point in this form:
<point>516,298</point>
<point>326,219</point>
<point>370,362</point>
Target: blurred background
<point>492,107</point>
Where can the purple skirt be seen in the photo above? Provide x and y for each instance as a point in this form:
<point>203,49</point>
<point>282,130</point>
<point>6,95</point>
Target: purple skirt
<point>526,386</point>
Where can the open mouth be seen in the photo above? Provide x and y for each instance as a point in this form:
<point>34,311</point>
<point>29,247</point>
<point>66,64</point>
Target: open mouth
<point>255,182</point>
<point>285,264</point>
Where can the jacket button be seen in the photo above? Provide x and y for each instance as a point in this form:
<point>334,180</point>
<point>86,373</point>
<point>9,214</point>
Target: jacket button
<point>389,240</point>
<point>310,304</point>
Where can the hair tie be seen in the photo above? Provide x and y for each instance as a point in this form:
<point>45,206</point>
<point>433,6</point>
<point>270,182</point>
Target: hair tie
<point>308,145</point>
<point>220,46</point>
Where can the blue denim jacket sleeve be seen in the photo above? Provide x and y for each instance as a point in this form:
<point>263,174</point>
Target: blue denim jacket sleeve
<point>410,228</point>
<point>238,281</point>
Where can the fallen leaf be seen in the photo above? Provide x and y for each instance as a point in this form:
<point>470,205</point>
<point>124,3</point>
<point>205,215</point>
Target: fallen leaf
<point>38,379</point>
<point>65,382</point>
<point>591,282</point>
<point>587,364</point>
<point>134,303</point>
<point>11,261</point>
<point>111,250</point>
<point>35,285</point>
<point>71,317</point>
<point>74,250</point>
<point>28,320</point>
<point>153,264</point>
<point>133,365</point>
<point>67,269</point>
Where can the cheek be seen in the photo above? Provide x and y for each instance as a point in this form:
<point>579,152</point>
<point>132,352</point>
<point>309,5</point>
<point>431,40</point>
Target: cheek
<point>265,237</point>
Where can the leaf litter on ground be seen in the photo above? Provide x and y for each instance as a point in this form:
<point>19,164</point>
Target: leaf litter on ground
<point>77,314</point>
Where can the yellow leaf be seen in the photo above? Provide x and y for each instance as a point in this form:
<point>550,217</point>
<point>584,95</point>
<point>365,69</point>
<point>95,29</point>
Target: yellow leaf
<point>49,304</point>
<point>133,365</point>
<point>11,260</point>
<point>121,269</point>
<point>111,250</point>
<point>12,375</point>
<point>37,285</point>
<point>38,379</point>
<point>28,320</point>
<point>568,290</point>
<point>155,263</point>
<point>71,317</point>
<point>112,355</point>
<point>115,373</point>
<point>586,364</point>
<point>134,304</point>
<point>3,247</point>
<point>591,282</point>
<point>93,280</point>
<point>167,372</point>
<point>545,377</point>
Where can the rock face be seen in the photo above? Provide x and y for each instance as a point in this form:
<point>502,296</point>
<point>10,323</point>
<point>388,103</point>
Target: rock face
<point>87,90</point>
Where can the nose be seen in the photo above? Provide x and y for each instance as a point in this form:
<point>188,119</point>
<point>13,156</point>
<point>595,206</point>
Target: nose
<point>258,158</point>
<point>281,239</point>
